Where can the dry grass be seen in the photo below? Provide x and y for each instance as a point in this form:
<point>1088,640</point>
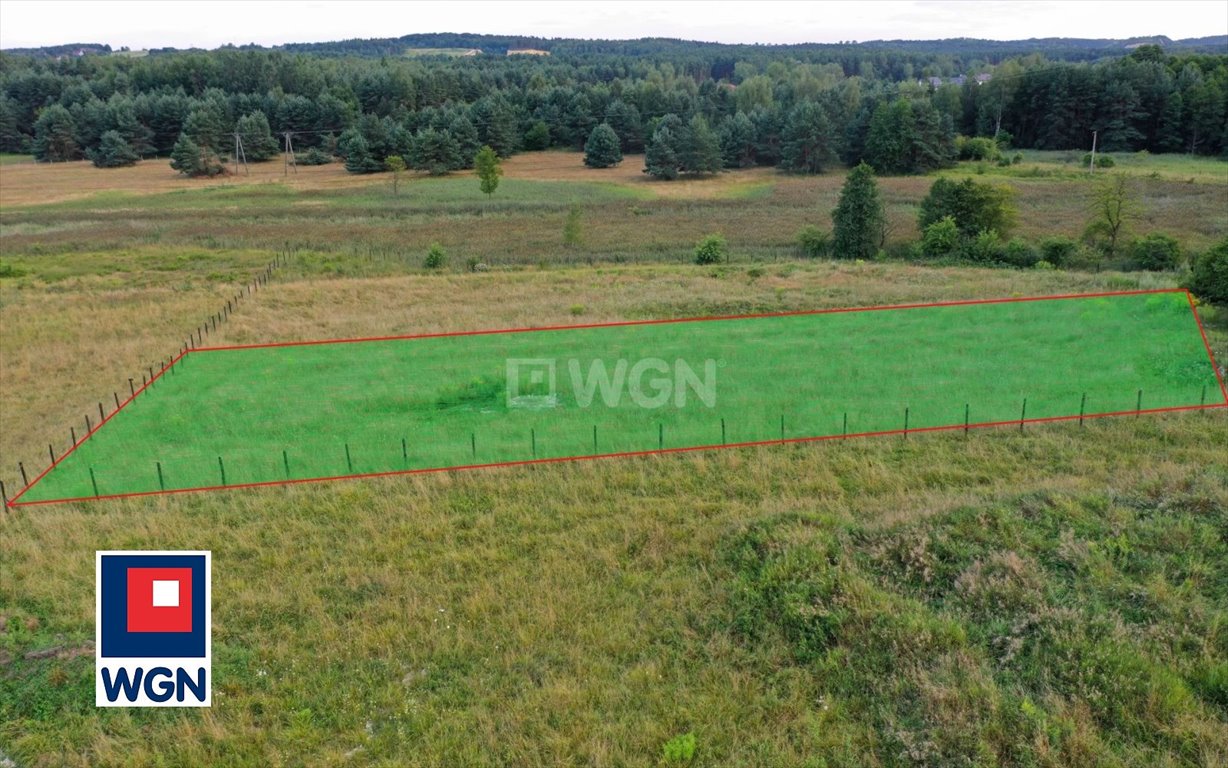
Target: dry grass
<point>583,614</point>
<point>41,183</point>
<point>626,216</point>
<point>68,344</point>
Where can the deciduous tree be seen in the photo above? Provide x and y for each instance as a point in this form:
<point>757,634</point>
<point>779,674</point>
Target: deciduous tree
<point>486,162</point>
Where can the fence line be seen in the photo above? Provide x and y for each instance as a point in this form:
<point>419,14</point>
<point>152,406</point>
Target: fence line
<point>195,337</point>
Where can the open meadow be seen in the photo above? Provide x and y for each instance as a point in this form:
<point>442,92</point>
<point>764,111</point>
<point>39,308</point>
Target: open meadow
<point>1054,596</point>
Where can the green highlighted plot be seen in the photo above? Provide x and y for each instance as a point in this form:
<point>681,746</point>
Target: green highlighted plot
<point>230,417</point>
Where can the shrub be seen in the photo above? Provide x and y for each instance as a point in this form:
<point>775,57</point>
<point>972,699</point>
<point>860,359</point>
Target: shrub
<point>940,239</point>
<point>1017,158</point>
<point>978,148</point>
<point>9,270</point>
<point>985,248</point>
<point>679,750</point>
<point>710,250</point>
<point>975,206</point>
<point>1020,253</point>
<point>1043,265</point>
<point>314,156</point>
<point>436,258</point>
<point>1102,161</point>
<point>1058,251</point>
<point>814,242</point>
<point>1209,278</point>
<point>1156,252</point>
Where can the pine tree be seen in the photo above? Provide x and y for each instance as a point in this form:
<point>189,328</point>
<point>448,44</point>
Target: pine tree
<point>466,138</point>
<point>113,152</point>
<point>602,149</point>
<point>624,118</point>
<point>122,118</point>
<point>891,139</point>
<point>436,152</point>
<point>807,143</point>
<point>858,217</point>
<point>191,159</point>
<point>204,127</point>
<point>537,137</point>
<point>487,164</point>
<point>701,149</point>
<point>737,137</point>
<point>661,159</point>
<point>258,141</point>
<point>358,157</point>
<point>11,138</point>
<point>55,135</point>
<point>933,139</point>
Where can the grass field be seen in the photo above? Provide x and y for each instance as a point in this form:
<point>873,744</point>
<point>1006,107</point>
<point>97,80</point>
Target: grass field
<point>1052,598</point>
<point>266,414</point>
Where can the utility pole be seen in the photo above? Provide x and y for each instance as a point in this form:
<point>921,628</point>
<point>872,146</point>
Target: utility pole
<point>1091,166</point>
<point>289,156</point>
<point>239,153</point>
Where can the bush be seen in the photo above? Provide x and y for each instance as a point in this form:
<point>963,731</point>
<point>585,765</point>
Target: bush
<point>1102,161</point>
<point>314,156</point>
<point>1058,251</point>
<point>1156,252</point>
<point>1020,253</point>
<point>814,242</point>
<point>710,250</point>
<point>679,750</point>
<point>985,248</point>
<point>975,207</point>
<point>978,148</point>
<point>1017,158</point>
<point>436,258</point>
<point>1209,278</point>
<point>940,239</point>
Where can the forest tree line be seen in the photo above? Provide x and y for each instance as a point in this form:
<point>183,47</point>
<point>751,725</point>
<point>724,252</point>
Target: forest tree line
<point>690,113</point>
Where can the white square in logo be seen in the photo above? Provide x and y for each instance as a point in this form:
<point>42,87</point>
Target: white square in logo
<point>529,377</point>
<point>166,594</point>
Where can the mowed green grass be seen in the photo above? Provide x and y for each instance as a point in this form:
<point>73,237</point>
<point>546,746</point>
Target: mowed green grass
<point>225,417</point>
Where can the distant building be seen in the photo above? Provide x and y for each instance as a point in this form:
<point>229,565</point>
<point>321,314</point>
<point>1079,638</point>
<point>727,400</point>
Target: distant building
<point>527,52</point>
<point>983,78</point>
<point>472,52</point>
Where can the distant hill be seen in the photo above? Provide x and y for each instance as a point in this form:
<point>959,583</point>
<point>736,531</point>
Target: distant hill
<point>1056,48</point>
<point>61,51</point>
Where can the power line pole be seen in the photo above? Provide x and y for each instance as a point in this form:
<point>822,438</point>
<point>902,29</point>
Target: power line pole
<point>1091,166</point>
<point>239,153</point>
<point>289,156</point>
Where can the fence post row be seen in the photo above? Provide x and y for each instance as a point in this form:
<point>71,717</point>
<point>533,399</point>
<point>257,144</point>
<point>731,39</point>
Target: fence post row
<point>280,258</point>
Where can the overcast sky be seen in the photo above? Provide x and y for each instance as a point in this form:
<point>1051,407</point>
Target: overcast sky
<point>191,23</point>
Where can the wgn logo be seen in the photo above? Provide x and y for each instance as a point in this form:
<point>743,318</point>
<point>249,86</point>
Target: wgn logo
<point>153,629</point>
<point>650,382</point>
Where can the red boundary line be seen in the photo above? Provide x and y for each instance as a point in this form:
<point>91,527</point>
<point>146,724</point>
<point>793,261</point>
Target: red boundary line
<point>15,501</point>
<point>623,454</point>
<point>620,323</point>
<point>1218,376</point>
